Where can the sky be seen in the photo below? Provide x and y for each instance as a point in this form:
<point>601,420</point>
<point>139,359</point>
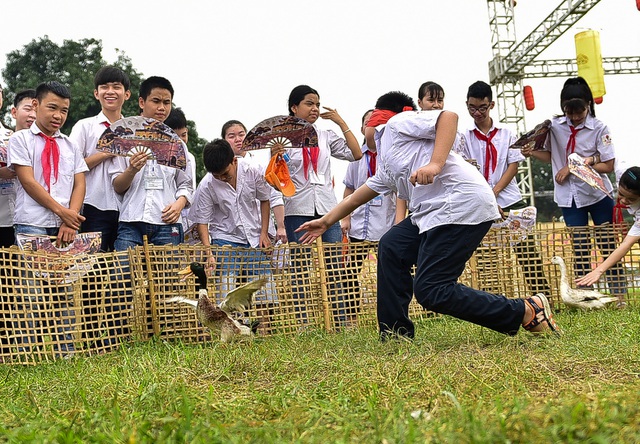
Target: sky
<point>240,60</point>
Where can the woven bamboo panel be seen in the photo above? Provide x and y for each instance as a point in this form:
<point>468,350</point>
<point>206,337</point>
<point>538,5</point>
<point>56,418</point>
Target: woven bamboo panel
<point>56,307</point>
<point>53,309</point>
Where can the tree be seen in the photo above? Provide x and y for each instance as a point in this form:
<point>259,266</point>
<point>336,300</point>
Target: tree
<point>74,63</point>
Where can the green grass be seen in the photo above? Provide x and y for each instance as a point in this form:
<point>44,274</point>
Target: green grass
<point>456,382</point>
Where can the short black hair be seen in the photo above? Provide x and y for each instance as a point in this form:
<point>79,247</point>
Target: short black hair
<point>24,94</point>
<point>154,82</point>
<point>217,155</point>
<point>480,90</point>
<point>228,124</point>
<point>111,74</point>
<point>630,179</point>
<point>54,87</point>
<point>395,101</point>
<point>176,119</point>
<point>433,90</point>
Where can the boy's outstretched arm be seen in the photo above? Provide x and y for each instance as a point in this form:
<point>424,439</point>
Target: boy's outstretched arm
<point>315,228</point>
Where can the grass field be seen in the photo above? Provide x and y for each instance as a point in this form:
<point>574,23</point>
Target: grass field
<point>456,382</point>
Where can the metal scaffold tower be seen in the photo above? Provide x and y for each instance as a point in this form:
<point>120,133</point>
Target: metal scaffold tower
<point>512,62</point>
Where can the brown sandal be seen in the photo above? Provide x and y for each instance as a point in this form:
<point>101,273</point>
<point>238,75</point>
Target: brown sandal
<point>541,314</point>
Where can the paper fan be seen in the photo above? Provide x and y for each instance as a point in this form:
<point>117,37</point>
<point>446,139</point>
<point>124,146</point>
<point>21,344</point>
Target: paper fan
<point>535,138</point>
<point>579,168</point>
<point>127,136</point>
<point>4,143</point>
<point>60,264</point>
<point>290,131</point>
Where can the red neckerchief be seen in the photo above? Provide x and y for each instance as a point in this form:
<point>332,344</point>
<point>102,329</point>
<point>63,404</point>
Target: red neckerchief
<point>107,124</point>
<point>491,153</point>
<point>380,116</point>
<point>571,143</point>
<point>371,157</point>
<point>310,155</point>
<point>50,152</point>
<point>618,216</point>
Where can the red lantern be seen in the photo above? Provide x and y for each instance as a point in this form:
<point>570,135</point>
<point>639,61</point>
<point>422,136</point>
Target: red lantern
<point>529,101</point>
<point>638,4</point>
<point>598,100</point>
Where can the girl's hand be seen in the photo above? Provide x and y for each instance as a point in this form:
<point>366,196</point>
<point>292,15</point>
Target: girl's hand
<point>332,114</point>
<point>589,279</point>
<point>277,148</point>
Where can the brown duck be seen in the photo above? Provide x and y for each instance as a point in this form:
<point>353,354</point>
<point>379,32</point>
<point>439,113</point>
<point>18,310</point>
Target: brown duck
<point>216,318</point>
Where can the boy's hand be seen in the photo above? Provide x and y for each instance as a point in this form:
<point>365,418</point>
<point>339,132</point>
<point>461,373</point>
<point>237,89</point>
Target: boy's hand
<point>265,242</point>
<point>7,173</point>
<point>277,148</point>
<point>71,219</point>
<point>66,235</point>
<point>313,228</point>
<point>281,235</point>
<point>425,175</point>
<point>171,213</point>
<point>562,174</point>
<point>138,161</point>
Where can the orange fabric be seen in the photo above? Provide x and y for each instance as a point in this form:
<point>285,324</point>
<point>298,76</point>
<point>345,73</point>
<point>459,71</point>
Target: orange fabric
<point>277,175</point>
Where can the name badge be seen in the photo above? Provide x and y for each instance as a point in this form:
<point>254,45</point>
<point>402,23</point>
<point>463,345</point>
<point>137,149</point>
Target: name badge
<point>153,183</point>
<point>6,187</point>
<point>376,201</point>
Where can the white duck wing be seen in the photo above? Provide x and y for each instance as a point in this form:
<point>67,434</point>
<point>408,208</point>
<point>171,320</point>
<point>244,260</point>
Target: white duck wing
<point>240,298</point>
<point>184,300</point>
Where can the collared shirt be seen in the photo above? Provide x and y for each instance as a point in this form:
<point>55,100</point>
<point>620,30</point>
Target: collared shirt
<point>459,195</point>
<point>141,203</point>
<point>276,198</point>
<point>476,149</point>
<point>100,193</point>
<point>316,193</point>
<point>634,210</point>
<point>233,214</point>
<point>25,148</point>
<point>372,220</point>
<point>7,188</point>
<point>594,138</point>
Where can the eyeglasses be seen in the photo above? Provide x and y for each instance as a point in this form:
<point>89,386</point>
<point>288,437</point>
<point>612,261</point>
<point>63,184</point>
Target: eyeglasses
<point>480,109</point>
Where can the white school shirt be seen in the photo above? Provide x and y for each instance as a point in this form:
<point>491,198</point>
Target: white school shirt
<point>315,197</point>
<point>7,189</point>
<point>371,220</point>
<point>232,214</point>
<point>593,139</point>
<point>275,199</point>
<point>145,205</point>
<point>634,210</point>
<point>459,195</point>
<point>476,149</point>
<point>100,193</point>
<point>25,148</point>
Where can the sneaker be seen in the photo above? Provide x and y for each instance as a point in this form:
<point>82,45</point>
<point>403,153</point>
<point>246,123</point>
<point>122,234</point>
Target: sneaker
<point>541,315</point>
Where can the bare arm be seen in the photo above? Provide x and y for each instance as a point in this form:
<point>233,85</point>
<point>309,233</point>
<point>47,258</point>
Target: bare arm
<point>401,210</point>
<point>122,183</point>
<point>613,259</point>
<point>315,228</point>
<point>265,215</point>
<point>506,178</point>
<point>67,233</point>
<point>281,231</point>
<point>345,223</point>
<point>97,158</point>
<point>446,128</point>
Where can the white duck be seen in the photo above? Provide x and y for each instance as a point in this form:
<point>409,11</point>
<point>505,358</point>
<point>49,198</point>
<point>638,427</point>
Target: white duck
<point>216,318</point>
<point>579,297</point>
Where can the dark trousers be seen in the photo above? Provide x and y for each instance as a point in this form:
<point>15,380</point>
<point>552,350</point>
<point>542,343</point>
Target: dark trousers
<point>105,222</point>
<point>7,237</point>
<point>442,253</point>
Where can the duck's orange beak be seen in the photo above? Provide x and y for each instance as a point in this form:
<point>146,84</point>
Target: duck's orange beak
<point>186,272</point>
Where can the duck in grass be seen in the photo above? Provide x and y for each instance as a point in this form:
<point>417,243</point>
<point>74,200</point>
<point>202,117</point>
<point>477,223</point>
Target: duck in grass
<point>216,318</point>
<point>583,298</point>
